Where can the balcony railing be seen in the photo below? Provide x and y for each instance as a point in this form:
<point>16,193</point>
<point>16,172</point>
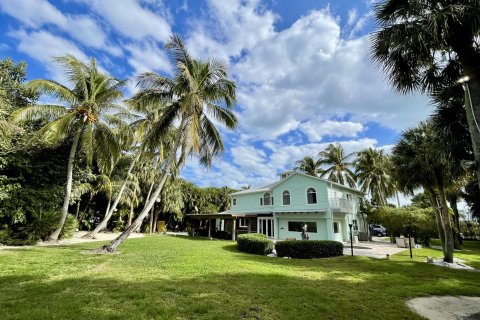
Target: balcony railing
<point>342,205</point>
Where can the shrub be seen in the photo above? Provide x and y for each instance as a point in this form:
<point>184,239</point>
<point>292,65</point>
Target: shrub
<point>69,227</point>
<point>224,235</point>
<point>255,243</point>
<point>308,249</point>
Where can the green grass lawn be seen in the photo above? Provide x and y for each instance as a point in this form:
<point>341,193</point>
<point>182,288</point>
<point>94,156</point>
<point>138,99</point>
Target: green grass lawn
<point>186,278</point>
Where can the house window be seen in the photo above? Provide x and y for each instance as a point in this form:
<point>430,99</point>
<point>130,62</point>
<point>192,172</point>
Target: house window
<point>311,196</point>
<point>261,201</point>
<point>286,198</point>
<point>349,196</point>
<point>242,222</point>
<point>267,199</point>
<point>335,227</point>
<point>355,225</point>
<point>296,226</point>
<point>234,201</point>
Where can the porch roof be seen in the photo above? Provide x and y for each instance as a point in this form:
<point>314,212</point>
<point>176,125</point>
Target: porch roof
<point>221,215</point>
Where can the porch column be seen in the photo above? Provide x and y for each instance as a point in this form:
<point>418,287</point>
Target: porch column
<point>234,229</point>
<point>330,224</point>
<point>209,228</point>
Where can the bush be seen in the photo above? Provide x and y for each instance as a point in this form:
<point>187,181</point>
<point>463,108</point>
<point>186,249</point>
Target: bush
<point>255,243</point>
<point>308,249</point>
<point>69,227</point>
<point>224,235</point>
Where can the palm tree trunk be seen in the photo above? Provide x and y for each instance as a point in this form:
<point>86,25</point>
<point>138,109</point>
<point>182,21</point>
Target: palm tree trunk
<point>398,198</point>
<point>130,216</point>
<point>109,213</point>
<point>438,218</point>
<point>447,226</point>
<point>453,204</point>
<point>171,160</point>
<point>112,246</point>
<point>150,226</point>
<point>155,222</point>
<point>78,209</point>
<point>66,201</point>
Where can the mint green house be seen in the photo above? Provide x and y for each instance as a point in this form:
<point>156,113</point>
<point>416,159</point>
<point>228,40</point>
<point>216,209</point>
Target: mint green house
<point>282,208</point>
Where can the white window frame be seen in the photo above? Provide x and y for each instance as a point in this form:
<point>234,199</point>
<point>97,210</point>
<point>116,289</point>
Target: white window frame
<point>242,222</point>
<point>316,197</point>
<point>234,201</point>
<point>269,196</point>
<point>289,197</point>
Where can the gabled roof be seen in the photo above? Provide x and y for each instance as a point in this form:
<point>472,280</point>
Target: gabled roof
<point>269,187</point>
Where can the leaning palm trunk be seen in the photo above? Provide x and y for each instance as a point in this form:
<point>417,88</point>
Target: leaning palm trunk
<point>446,222</point>
<point>112,246</point>
<point>66,201</point>
<point>109,213</point>
<point>438,216</point>
<point>130,216</point>
<point>171,160</point>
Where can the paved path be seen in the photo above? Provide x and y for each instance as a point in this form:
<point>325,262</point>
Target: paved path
<point>77,238</point>
<point>446,307</point>
<point>374,249</point>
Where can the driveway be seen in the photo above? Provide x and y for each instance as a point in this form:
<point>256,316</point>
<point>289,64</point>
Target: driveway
<point>373,249</point>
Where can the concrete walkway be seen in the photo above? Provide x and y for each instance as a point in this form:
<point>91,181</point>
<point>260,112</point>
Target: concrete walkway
<point>77,238</point>
<point>373,249</point>
<point>446,307</point>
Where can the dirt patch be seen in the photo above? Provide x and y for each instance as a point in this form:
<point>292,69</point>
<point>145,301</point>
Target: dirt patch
<point>446,307</point>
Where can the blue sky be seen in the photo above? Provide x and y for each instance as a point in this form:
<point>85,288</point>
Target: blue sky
<point>302,68</point>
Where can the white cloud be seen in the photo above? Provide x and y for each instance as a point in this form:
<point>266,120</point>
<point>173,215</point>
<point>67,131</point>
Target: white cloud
<point>147,56</point>
<point>33,13</point>
<point>316,129</point>
<point>131,19</point>
<point>43,46</point>
<point>37,13</point>
<point>352,16</point>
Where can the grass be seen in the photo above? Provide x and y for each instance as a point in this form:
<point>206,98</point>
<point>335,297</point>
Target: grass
<point>184,278</point>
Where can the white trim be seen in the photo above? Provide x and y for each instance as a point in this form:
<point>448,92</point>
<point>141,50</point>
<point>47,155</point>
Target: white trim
<point>242,225</point>
<point>289,198</point>
<point>269,226</point>
<point>306,197</point>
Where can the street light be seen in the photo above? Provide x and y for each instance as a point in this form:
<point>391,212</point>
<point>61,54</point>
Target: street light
<point>351,237</point>
<point>409,230</point>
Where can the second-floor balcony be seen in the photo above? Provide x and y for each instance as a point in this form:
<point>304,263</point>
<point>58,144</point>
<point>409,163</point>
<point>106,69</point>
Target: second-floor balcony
<point>342,205</point>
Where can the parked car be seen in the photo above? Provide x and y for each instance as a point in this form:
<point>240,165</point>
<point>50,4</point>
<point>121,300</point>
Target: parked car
<point>378,230</point>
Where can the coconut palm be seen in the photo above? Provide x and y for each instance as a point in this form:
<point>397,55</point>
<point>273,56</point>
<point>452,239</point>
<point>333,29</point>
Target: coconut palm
<point>337,165</point>
<point>372,170</point>
<point>428,46</point>
<point>308,165</point>
<point>84,119</point>
<point>419,161</point>
<point>199,91</point>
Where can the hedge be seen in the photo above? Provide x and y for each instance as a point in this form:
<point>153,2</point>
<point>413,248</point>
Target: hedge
<point>255,243</point>
<point>308,249</point>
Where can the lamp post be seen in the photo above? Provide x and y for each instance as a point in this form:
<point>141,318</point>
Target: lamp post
<point>351,237</point>
<point>409,230</point>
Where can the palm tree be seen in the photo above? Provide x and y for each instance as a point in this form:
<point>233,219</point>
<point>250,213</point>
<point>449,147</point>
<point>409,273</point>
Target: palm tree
<point>91,96</point>
<point>338,167</point>
<point>372,170</point>
<point>428,46</point>
<point>196,93</point>
<point>419,161</point>
<point>308,165</point>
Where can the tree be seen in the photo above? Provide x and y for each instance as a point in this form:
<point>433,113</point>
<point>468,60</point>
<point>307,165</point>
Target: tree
<point>338,167</point>
<point>419,160</point>
<point>308,165</point>
<point>91,96</point>
<point>372,170</point>
<point>195,94</point>
<point>428,46</point>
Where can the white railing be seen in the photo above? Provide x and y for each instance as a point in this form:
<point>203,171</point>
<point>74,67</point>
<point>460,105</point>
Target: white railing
<point>342,205</point>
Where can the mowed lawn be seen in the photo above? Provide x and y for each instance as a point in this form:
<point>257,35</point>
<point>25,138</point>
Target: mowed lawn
<point>186,278</point>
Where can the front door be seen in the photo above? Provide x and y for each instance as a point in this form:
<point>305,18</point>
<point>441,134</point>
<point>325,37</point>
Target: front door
<point>337,231</point>
<point>265,226</point>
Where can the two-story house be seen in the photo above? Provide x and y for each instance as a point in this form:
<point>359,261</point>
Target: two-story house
<point>282,208</point>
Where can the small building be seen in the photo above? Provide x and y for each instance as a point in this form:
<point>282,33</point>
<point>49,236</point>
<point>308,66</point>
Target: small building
<point>281,209</point>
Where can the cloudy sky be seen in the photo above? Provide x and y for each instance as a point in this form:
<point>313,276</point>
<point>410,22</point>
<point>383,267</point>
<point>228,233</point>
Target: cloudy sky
<point>302,68</point>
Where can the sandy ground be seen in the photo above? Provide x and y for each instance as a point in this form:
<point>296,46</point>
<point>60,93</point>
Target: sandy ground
<point>446,307</point>
<point>77,238</point>
<point>373,249</point>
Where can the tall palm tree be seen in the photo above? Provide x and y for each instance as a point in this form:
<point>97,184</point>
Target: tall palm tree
<point>419,161</point>
<point>372,170</point>
<point>199,90</point>
<point>428,46</point>
<point>308,165</point>
<point>84,118</point>
<point>337,165</point>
